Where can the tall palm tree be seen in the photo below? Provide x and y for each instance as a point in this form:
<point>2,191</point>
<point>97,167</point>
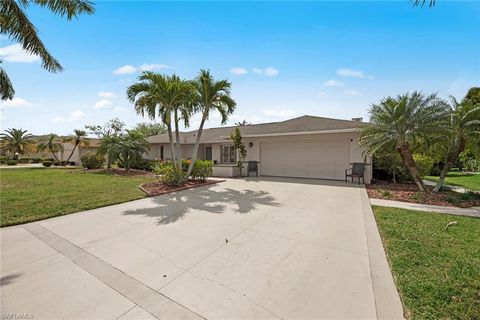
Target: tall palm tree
<point>79,139</point>
<point>15,24</point>
<point>210,95</point>
<point>242,123</point>
<point>160,95</point>
<point>130,147</point>
<point>52,143</point>
<point>464,126</point>
<point>16,141</point>
<point>400,123</point>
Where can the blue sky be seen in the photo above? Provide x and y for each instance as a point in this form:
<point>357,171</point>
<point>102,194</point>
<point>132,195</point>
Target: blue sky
<point>285,59</point>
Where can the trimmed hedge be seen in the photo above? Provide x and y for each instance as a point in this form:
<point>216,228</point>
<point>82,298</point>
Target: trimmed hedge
<point>47,163</point>
<point>92,161</point>
<point>12,162</point>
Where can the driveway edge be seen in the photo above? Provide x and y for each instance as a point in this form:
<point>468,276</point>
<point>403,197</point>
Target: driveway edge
<point>387,299</point>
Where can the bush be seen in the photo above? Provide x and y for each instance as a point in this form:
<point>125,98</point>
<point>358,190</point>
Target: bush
<point>24,160</point>
<point>12,162</point>
<point>36,160</point>
<point>56,163</point>
<point>47,163</point>
<point>169,174</point>
<point>202,169</point>
<point>72,163</point>
<point>424,166</point>
<point>3,160</point>
<point>49,159</point>
<point>92,161</point>
<point>471,165</point>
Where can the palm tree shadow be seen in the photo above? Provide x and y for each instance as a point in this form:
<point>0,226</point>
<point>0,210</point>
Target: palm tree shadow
<point>173,207</point>
<point>8,279</point>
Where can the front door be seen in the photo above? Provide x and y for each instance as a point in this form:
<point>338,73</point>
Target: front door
<point>208,153</point>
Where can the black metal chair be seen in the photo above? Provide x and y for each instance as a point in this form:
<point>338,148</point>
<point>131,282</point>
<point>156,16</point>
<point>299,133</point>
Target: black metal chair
<point>356,171</point>
<point>252,166</point>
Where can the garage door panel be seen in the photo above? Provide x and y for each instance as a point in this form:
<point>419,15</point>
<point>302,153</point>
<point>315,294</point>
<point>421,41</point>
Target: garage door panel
<point>305,158</point>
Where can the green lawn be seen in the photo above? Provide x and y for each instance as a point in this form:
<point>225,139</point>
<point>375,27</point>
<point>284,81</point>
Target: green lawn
<point>455,178</point>
<point>37,193</point>
<point>437,271</point>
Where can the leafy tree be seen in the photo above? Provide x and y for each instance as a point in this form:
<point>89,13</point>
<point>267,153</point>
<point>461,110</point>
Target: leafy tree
<point>79,139</point>
<point>130,147</point>
<point>14,23</point>
<point>210,95</point>
<point>108,133</point>
<point>400,123</point>
<point>242,123</point>
<point>150,129</point>
<point>16,141</point>
<point>52,143</point>
<point>238,145</point>
<point>162,95</point>
<point>464,126</point>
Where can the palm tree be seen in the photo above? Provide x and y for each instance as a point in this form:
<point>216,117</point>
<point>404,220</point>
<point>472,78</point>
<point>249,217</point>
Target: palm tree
<point>16,141</point>
<point>210,95</point>
<point>15,24</point>
<point>464,125</point>
<point>400,123</point>
<point>79,139</point>
<point>52,143</point>
<point>130,147</point>
<point>242,123</point>
<point>161,95</point>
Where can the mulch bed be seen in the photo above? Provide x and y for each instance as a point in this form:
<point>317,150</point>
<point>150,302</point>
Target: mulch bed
<point>408,192</point>
<point>122,172</point>
<point>157,188</point>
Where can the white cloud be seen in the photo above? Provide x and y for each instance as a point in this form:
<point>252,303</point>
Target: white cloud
<point>15,53</point>
<point>238,71</point>
<point>106,94</point>
<point>351,92</point>
<point>126,69</point>
<point>16,102</point>
<point>279,113</point>
<point>73,116</point>
<point>269,71</point>
<point>102,104</point>
<point>346,72</point>
<point>332,83</point>
<point>153,66</point>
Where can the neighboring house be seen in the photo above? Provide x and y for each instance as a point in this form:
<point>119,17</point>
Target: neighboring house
<point>303,147</point>
<point>67,149</point>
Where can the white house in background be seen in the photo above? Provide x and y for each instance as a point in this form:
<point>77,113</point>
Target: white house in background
<point>303,147</point>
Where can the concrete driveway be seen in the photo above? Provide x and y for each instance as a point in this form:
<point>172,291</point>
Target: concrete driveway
<point>265,248</point>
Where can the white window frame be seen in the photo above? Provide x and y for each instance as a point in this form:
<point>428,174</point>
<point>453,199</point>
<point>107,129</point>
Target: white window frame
<point>231,153</point>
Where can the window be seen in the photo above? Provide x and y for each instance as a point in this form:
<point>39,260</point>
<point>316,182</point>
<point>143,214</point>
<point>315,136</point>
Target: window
<point>228,154</point>
<point>161,152</point>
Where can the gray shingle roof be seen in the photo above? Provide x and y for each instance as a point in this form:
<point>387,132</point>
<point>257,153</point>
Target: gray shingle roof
<point>300,124</point>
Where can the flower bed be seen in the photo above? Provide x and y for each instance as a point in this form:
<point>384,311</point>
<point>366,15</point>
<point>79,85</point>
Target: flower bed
<point>408,192</point>
<point>157,188</point>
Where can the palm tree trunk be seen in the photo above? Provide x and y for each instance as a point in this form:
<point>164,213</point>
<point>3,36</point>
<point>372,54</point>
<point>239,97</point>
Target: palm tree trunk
<point>451,158</point>
<point>409,162</point>
<point>54,156</point>
<point>195,147</point>
<point>170,140</point>
<point>177,138</point>
<point>73,150</point>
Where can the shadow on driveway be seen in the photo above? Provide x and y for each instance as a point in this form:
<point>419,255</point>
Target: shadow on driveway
<point>174,206</point>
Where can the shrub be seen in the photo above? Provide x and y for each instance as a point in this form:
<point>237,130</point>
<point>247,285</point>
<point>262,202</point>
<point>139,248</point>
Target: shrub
<point>469,196</point>
<point>56,163</point>
<point>92,161</point>
<point>36,160</point>
<point>24,160</point>
<point>72,163</point>
<point>12,162</point>
<point>385,193</point>
<point>3,160</point>
<point>48,159</point>
<point>47,163</point>
<point>472,165</point>
<point>202,169</point>
<point>452,199</point>
<point>417,196</point>
<point>169,174</point>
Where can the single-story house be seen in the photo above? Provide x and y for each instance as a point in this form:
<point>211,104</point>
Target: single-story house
<point>303,147</point>
<point>67,150</point>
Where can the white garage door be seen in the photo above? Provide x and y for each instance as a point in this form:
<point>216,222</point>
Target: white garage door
<point>320,158</point>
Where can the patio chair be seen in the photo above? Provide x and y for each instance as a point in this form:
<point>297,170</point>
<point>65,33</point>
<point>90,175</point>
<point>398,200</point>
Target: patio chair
<point>252,166</point>
<point>356,171</point>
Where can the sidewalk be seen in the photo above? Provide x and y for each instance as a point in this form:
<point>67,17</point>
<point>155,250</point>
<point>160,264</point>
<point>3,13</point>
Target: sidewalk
<point>453,188</point>
<point>469,212</point>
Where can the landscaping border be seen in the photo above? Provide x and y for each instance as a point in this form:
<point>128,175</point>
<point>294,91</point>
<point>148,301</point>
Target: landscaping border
<point>206,183</point>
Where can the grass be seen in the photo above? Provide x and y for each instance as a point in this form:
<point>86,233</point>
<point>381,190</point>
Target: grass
<point>437,271</point>
<point>455,178</point>
<point>36,193</point>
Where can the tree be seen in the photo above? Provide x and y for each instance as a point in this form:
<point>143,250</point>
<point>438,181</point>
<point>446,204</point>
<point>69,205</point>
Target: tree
<point>150,129</point>
<point>238,145</point>
<point>464,126</point>
<point>162,95</point>
<point>242,123</point>
<point>16,141</point>
<point>52,143</point>
<point>417,3</point>
<point>130,147</point>
<point>210,95</point>
<point>108,133</point>
<point>401,123</point>
<point>14,23</point>
<point>79,139</point>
